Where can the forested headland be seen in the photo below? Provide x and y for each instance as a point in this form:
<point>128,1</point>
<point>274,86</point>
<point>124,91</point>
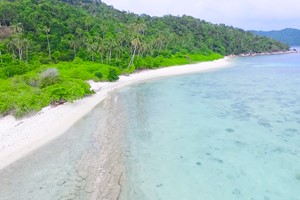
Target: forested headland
<point>289,36</point>
<point>49,48</point>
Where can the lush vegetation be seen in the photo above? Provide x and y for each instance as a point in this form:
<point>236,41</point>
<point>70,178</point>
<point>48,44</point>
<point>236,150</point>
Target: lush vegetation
<point>289,35</point>
<point>49,48</point>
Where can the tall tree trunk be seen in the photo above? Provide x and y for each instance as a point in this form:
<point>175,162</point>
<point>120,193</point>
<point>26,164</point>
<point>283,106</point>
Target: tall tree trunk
<point>132,58</point>
<point>101,55</point>
<point>27,53</point>
<point>20,52</point>
<point>119,54</point>
<point>110,55</point>
<point>74,51</point>
<point>49,49</point>
<point>139,53</point>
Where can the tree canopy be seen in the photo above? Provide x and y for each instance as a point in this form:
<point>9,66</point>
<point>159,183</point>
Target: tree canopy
<point>87,39</point>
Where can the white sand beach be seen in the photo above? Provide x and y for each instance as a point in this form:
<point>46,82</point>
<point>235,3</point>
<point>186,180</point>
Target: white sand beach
<point>20,137</point>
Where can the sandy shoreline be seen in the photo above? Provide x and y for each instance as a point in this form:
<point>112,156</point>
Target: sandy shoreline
<point>20,137</point>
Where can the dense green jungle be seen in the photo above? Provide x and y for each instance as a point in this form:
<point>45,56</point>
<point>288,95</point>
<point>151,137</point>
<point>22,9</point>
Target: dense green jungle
<point>50,48</point>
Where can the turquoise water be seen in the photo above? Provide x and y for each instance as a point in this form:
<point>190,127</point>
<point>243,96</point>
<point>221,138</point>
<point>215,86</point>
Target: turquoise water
<point>223,135</point>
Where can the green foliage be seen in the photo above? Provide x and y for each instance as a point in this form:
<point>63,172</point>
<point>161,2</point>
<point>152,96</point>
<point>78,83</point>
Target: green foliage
<point>2,74</point>
<point>201,57</point>
<point>32,91</point>
<point>58,30</point>
<point>83,70</point>
<point>68,90</point>
<point>98,75</point>
<point>178,59</point>
<point>15,68</point>
<point>49,48</point>
<point>129,70</point>
<point>112,75</point>
<point>7,94</point>
<point>18,98</point>
<point>29,100</point>
<point>77,60</point>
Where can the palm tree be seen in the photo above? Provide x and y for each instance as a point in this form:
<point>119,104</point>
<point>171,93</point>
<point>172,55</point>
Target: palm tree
<point>135,44</point>
<point>88,23</point>
<point>79,32</point>
<point>17,28</point>
<point>160,42</point>
<point>19,44</point>
<point>100,49</point>
<point>26,43</point>
<point>120,44</point>
<point>110,44</point>
<point>47,31</point>
<point>92,48</point>
<point>138,28</point>
<point>16,44</point>
<point>145,48</point>
<point>11,47</point>
<point>74,44</point>
<point>137,31</point>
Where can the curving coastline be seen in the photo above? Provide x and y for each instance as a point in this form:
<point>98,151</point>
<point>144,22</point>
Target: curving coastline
<point>20,137</point>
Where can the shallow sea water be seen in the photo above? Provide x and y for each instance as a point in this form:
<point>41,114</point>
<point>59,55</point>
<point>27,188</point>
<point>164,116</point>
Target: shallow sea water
<point>223,135</point>
<point>73,166</point>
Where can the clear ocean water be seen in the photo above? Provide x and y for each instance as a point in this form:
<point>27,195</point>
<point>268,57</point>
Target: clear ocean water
<point>232,134</point>
<point>66,168</point>
<point>223,135</point>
